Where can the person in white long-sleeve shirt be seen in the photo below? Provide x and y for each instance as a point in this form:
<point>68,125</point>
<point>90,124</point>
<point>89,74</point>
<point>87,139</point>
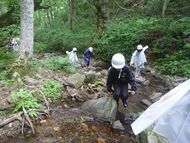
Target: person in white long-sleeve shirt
<point>138,59</point>
<point>73,56</point>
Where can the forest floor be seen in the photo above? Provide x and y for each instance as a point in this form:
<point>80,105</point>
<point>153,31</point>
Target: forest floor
<point>66,121</point>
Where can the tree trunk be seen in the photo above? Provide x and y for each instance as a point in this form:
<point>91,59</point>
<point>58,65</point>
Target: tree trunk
<point>100,18</point>
<point>27,27</point>
<point>72,13</point>
<point>164,7</point>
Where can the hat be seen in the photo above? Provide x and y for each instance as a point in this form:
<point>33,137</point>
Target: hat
<point>118,61</point>
<point>139,47</point>
<point>90,49</point>
<point>74,49</point>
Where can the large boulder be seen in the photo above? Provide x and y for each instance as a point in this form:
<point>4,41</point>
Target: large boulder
<point>76,80</point>
<point>90,77</point>
<point>104,108</point>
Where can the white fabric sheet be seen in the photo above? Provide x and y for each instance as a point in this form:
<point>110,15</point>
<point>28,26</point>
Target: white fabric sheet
<point>171,115</point>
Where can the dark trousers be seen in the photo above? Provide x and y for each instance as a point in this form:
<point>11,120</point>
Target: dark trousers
<point>121,91</point>
<point>86,62</point>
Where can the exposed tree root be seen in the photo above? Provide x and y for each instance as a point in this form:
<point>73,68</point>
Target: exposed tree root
<point>24,119</point>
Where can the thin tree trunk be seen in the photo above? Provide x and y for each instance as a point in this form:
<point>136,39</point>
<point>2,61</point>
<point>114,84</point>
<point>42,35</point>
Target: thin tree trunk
<point>49,18</point>
<point>100,18</point>
<point>72,13</point>
<point>164,7</point>
<point>27,27</point>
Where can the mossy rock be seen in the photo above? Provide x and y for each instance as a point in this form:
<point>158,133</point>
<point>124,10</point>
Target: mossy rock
<point>22,66</point>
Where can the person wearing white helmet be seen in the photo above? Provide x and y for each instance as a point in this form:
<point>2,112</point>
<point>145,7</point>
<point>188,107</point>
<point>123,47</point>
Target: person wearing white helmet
<point>73,56</point>
<point>86,57</point>
<point>138,59</point>
<point>119,76</point>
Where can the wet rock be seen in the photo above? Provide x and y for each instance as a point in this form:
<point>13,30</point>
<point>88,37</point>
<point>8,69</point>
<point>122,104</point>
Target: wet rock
<point>104,73</point>
<point>90,77</point>
<point>104,108</point>
<point>99,63</point>
<point>155,96</point>
<point>145,103</point>
<point>76,80</point>
<point>98,75</point>
<point>118,126</point>
<point>129,118</point>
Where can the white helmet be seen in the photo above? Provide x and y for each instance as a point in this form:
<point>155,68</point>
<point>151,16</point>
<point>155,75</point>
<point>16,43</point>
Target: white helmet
<point>118,61</point>
<point>90,49</point>
<point>74,49</point>
<point>139,47</point>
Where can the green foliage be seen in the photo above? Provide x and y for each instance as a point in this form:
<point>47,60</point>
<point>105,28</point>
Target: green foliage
<point>8,32</point>
<point>97,84</point>
<point>176,63</point>
<point>123,36</point>
<point>40,47</point>
<point>24,99</point>
<point>52,89</point>
<point>6,58</point>
<point>58,63</point>
<point>3,75</point>
<point>63,39</point>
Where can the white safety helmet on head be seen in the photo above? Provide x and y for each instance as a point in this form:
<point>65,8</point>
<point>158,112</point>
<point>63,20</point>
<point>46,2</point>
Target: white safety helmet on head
<point>118,61</point>
<point>74,49</point>
<point>139,47</point>
<point>90,49</point>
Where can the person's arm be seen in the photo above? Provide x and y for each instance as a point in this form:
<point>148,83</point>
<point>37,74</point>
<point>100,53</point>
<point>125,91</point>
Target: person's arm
<point>132,60</point>
<point>109,80</point>
<point>68,53</point>
<point>132,81</point>
<point>146,47</point>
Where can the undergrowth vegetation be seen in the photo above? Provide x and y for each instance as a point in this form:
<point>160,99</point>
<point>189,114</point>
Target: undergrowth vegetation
<point>52,89</point>
<point>24,99</point>
<point>58,63</point>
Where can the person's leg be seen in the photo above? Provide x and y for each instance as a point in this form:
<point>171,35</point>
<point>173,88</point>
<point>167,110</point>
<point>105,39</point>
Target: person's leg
<point>117,92</point>
<point>84,62</point>
<point>124,94</point>
<point>88,62</point>
<point>137,72</point>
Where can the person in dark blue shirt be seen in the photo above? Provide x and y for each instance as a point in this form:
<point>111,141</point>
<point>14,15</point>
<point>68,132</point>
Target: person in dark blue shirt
<point>86,57</point>
<point>119,76</point>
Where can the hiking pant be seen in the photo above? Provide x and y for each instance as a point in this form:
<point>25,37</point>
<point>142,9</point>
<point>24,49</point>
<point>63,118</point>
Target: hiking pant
<point>86,62</point>
<point>121,91</point>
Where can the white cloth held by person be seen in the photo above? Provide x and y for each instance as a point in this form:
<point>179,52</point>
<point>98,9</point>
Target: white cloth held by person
<point>170,114</point>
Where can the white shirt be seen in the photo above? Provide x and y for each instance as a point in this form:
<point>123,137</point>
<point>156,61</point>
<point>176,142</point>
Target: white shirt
<point>72,57</point>
<point>139,58</point>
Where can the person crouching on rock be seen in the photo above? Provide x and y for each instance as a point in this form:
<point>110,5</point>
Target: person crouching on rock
<point>119,75</point>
